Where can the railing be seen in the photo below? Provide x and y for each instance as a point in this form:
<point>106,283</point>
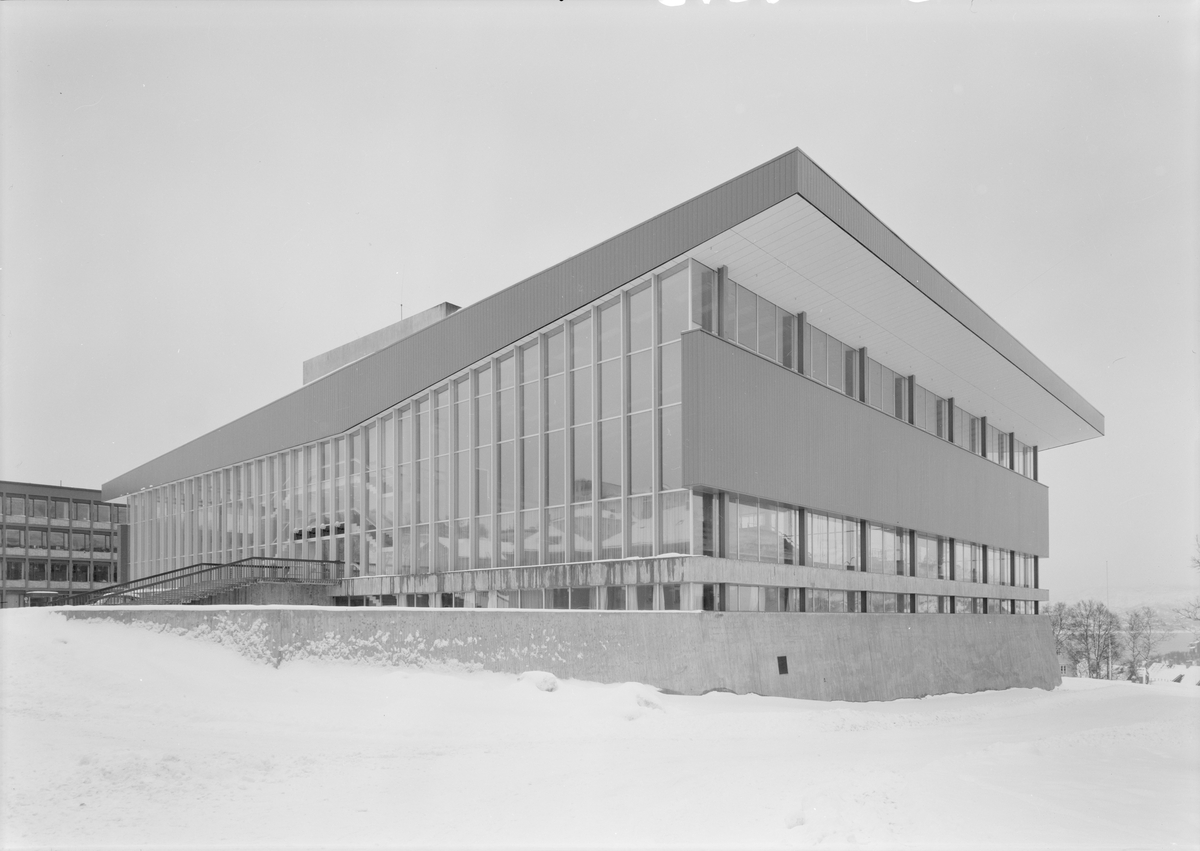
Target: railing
<point>196,581</point>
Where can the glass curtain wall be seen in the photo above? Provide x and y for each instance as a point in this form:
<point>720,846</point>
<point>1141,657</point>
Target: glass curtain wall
<point>566,446</point>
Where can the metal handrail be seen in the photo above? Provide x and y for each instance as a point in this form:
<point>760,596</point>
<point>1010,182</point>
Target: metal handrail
<point>243,571</point>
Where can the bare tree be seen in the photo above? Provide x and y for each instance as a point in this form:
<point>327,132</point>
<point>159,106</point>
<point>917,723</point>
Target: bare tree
<point>1191,609</point>
<point>1058,623</point>
<point>1143,632</point>
<point>1092,636</point>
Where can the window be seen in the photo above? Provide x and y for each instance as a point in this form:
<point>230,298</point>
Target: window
<point>889,550</point>
<point>556,535</point>
<point>832,601</point>
<point>14,570</point>
<point>760,530</point>
<point>40,507</point>
<point>581,525</point>
<point>767,329</point>
<point>60,509</point>
<point>554,395</point>
<point>1023,570</point>
<point>832,541</point>
<point>610,533</point>
<point>930,604</point>
<point>999,566</point>
<point>641,526</point>
<point>37,571</point>
<point>83,512</point>
<point>14,538</point>
<point>933,557</point>
<point>968,562</point>
<point>671,421</point>
<point>820,358</point>
<point>58,540</point>
<point>79,571</point>
<point>58,571</point>
<point>747,318</point>
<point>530,540</point>
<point>881,603</point>
<point>784,600</point>
<point>80,542</point>
<point>787,336</point>
<point>673,305</point>
<point>675,522</point>
<point>968,605</point>
<point>874,384</point>
<point>14,505</point>
<point>901,397</point>
<point>38,539</point>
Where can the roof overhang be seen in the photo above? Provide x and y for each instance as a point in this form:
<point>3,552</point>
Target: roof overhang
<point>802,260</point>
<point>785,230</point>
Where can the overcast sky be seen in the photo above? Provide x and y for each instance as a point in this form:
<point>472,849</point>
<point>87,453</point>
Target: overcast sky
<point>198,196</point>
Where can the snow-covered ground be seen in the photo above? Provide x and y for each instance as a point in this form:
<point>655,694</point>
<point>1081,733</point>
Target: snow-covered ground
<point>113,735</point>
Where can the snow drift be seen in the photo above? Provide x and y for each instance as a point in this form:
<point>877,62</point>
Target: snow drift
<point>119,736</point>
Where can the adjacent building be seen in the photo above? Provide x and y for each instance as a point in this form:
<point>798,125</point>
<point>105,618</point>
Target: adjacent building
<point>760,400</point>
<point>58,541</point>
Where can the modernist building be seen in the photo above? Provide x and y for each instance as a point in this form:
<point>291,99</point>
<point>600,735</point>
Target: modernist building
<point>759,400</point>
<point>58,541</point>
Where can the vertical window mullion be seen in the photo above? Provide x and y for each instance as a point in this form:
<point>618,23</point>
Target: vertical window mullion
<point>624,418</point>
<point>594,314</point>
<point>655,416</point>
<point>494,477</point>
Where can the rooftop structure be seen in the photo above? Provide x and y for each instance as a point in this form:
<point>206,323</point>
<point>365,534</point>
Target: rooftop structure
<point>336,358</point>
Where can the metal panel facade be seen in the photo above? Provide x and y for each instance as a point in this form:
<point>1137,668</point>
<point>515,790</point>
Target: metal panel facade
<point>751,426</point>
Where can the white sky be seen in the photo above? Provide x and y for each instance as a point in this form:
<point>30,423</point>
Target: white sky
<point>197,197</point>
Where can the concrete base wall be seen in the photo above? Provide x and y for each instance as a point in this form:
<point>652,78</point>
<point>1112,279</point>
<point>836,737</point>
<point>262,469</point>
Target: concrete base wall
<point>829,656</point>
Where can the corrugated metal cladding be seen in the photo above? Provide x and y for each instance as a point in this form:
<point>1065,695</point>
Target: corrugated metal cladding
<point>750,426</point>
<point>340,400</point>
<point>824,193</point>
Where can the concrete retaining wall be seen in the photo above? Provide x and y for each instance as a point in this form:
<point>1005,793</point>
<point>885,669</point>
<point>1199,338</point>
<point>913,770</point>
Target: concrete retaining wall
<point>829,656</point>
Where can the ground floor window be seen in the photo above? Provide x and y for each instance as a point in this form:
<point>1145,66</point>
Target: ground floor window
<point>932,604</point>
<point>824,600</point>
<point>969,606</point>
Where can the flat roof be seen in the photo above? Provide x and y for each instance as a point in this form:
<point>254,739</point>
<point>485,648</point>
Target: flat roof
<point>786,230</point>
<point>39,489</point>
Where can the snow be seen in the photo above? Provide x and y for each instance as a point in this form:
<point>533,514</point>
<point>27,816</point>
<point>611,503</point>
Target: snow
<point>113,735</point>
<point>1166,673</point>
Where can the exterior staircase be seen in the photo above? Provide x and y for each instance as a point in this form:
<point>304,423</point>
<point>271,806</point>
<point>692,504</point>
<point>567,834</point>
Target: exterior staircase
<point>200,583</point>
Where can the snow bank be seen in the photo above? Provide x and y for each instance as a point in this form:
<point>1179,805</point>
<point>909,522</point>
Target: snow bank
<point>113,735</point>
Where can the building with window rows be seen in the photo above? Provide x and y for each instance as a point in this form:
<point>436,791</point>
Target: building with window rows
<point>58,541</point>
<point>760,400</point>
